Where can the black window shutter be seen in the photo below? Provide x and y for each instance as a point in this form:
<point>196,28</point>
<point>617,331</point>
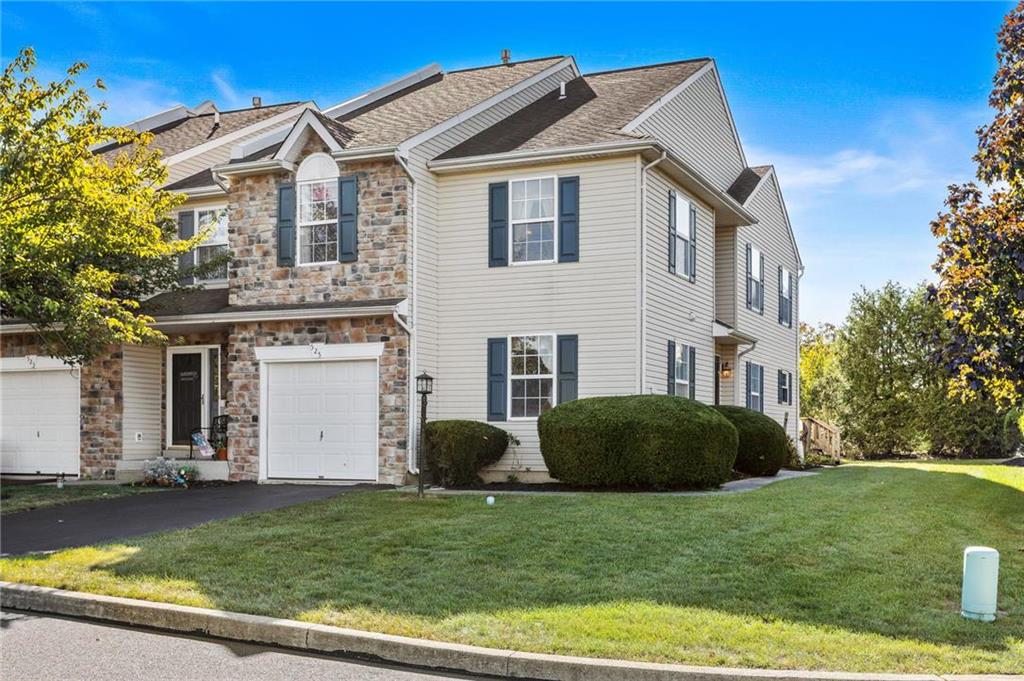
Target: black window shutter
<point>692,255</point>
<point>792,387</point>
<point>692,368</point>
<point>568,368</point>
<point>186,230</point>
<point>760,286</point>
<point>750,272</point>
<point>760,383</point>
<point>671,367</point>
<point>748,386</point>
<point>782,384</point>
<point>672,231</point>
<point>497,225</point>
<point>568,219</point>
<point>286,225</point>
<point>497,379</point>
<point>348,219</point>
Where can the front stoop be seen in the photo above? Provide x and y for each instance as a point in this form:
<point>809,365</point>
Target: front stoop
<point>132,470</point>
<point>434,655</point>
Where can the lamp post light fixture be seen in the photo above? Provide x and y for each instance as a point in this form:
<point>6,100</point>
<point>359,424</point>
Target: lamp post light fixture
<point>424,386</point>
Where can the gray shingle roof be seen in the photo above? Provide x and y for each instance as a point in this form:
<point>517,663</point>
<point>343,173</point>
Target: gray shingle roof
<point>595,108</point>
<point>204,178</point>
<point>190,132</point>
<point>743,186</point>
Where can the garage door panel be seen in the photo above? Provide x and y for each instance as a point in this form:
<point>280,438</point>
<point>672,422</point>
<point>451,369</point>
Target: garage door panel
<point>335,397</point>
<point>39,421</point>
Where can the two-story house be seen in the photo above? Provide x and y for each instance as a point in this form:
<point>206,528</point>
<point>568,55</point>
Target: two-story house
<point>524,233</point>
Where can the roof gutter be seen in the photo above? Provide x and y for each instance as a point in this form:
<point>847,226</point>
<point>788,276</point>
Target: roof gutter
<point>365,153</point>
<point>251,168</point>
<point>274,315</point>
<point>507,158</point>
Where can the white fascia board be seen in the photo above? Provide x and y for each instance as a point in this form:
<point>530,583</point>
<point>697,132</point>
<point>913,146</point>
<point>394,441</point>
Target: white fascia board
<point>306,120</point>
<point>175,113</point>
<point>378,93</point>
<point>690,80</point>
<point>667,97</point>
<point>405,147</point>
<point>251,167</point>
<point>237,134</point>
<point>201,192</point>
<point>275,315</point>
<point>364,153</point>
<point>537,155</point>
<point>262,142</point>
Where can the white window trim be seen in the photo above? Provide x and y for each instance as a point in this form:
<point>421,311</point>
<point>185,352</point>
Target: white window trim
<point>314,352</point>
<point>299,224</point>
<point>786,282</point>
<point>683,235</point>
<point>511,224</point>
<point>788,387</point>
<point>760,388</point>
<point>682,351</point>
<point>204,411</point>
<point>511,376</point>
<point>756,268</point>
<point>221,281</point>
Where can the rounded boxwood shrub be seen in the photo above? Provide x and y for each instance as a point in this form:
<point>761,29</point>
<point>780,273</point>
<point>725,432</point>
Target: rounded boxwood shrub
<point>645,441</point>
<point>457,450</point>
<point>764,445</point>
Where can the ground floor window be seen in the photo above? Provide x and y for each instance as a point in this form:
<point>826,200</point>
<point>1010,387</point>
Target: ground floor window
<point>755,387</point>
<point>785,387</point>
<point>531,375</point>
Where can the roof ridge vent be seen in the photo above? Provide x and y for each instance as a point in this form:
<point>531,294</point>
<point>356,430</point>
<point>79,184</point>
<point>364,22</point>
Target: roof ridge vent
<point>561,90</point>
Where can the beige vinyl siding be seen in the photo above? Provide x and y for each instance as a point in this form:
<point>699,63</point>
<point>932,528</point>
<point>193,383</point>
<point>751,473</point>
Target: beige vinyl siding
<point>778,345</point>
<point>695,124</point>
<point>426,294</point>
<point>725,275</point>
<point>222,153</point>
<point>678,309</point>
<point>727,387</point>
<point>142,401</point>
<point>595,298</point>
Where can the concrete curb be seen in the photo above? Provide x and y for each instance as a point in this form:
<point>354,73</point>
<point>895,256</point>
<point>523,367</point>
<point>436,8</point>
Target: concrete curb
<point>399,649</point>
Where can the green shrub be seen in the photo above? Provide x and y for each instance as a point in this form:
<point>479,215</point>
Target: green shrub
<point>763,443</point>
<point>457,450</point>
<point>1013,425</point>
<point>644,441</point>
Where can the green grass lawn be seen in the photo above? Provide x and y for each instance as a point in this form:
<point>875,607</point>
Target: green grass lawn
<point>15,498</point>
<point>855,569</point>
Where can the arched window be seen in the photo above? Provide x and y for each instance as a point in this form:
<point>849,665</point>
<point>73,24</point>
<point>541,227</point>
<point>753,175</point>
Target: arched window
<point>317,179</point>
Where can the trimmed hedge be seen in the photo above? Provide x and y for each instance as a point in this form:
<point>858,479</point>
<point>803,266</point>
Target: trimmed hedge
<point>457,450</point>
<point>763,446</point>
<point>644,441</point>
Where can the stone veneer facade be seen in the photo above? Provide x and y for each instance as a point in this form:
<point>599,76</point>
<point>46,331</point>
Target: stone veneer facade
<point>101,400</point>
<point>244,381</point>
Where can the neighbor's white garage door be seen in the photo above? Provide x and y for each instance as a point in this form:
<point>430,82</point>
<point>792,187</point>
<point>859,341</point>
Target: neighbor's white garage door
<point>322,420</point>
<point>39,421</point>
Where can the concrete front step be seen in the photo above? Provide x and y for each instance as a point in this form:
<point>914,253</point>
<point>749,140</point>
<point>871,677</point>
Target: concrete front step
<point>132,470</point>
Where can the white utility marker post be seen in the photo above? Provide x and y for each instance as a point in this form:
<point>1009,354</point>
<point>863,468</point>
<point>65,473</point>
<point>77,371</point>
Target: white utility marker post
<point>981,578</point>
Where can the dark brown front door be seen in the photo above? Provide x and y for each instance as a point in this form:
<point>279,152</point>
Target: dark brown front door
<point>186,395</point>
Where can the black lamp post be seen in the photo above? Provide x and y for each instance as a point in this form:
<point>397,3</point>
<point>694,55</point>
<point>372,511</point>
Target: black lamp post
<point>424,386</point>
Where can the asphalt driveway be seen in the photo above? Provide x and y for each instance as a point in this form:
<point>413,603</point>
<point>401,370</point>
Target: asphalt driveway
<point>91,522</point>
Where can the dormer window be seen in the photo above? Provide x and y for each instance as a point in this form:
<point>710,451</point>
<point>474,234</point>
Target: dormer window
<point>318,210</point>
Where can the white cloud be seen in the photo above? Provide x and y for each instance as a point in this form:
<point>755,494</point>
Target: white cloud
<point>129,99</point>
<point>230,99</point>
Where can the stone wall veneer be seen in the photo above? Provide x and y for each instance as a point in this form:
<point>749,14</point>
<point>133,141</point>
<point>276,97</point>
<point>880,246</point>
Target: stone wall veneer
<point>244,380</point>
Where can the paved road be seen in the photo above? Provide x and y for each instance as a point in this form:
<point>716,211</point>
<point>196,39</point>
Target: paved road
<point>90,522</point>
<point>44,648</point>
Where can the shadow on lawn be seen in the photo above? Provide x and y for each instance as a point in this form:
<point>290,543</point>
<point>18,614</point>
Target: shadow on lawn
<point>862,549</point>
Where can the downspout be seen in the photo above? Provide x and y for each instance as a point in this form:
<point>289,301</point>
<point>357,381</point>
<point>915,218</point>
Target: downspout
<point>643,269</point>
<point>411,399</point>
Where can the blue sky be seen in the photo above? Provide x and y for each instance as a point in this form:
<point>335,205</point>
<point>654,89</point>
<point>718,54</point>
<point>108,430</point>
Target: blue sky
<point>867,110</point>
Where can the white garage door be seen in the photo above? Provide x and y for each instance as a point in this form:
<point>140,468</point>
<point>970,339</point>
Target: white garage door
<point>39,421</point>
<point>322,420</point>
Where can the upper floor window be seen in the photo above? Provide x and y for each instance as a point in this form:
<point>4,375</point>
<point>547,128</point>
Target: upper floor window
<point>317,179</point>
<point>682,236</point>
<point>532,217</point>
<point>785,297</point>
<point>755,279</point>
<point>216,244</point>
<point>531,375</point>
